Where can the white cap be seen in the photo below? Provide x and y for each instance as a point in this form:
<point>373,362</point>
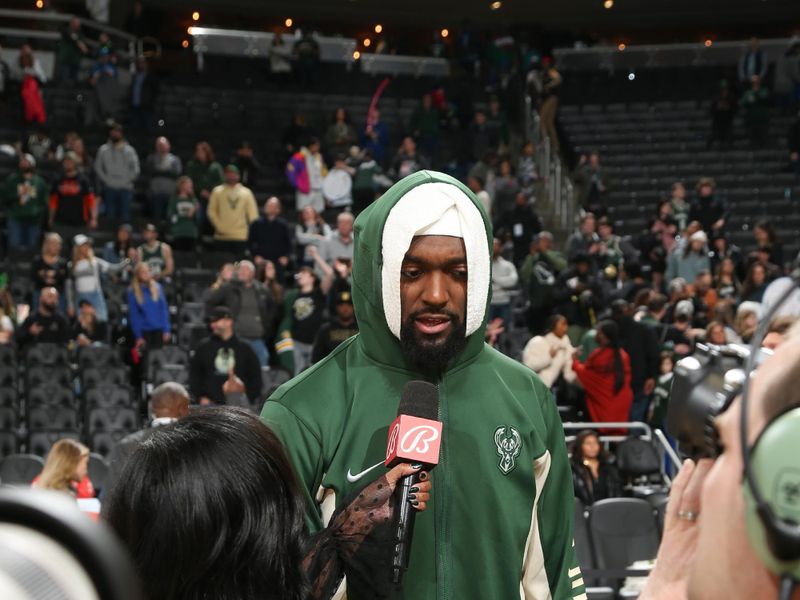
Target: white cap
<point>699,236</point>
<point>80,240</point>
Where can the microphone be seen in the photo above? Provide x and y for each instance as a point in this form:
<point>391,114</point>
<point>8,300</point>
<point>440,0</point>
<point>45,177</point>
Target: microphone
<point>414,437</point>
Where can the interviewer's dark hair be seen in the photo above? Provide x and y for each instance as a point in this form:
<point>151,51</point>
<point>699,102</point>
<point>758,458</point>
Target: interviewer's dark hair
<point>209,508</point>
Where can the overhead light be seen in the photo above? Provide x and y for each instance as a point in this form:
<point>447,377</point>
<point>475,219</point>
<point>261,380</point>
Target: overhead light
<point>190,30</point>
<point>621,47</point>
<point>608,4</point>
<point>708,43</point>
<point>195,16</point>
<point>445,33</point>
<point>39,3</point>
<point>356,55</point>
<point>367,42</point>
<point>185,43</point>
<point>288,22</point>
<point>631,76</point>
<point>496,5</point>
<point>378,28</point>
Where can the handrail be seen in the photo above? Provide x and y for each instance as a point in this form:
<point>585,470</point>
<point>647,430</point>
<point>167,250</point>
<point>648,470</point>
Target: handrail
<point>46,15</point>
<point>668,449</point>
<point>612,425</point>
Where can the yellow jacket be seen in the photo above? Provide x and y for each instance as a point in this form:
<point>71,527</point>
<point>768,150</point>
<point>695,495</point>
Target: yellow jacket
<point>231,209</point>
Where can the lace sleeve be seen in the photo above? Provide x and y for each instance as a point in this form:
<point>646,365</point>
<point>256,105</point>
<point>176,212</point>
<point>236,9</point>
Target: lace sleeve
<point>357,543</point>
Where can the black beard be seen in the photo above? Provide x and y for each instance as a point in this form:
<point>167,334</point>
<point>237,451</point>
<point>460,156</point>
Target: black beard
<point>432,357</point>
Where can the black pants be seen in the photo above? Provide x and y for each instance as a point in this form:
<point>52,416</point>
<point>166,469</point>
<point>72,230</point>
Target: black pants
<point>236,248</point>
<point>153,340</point>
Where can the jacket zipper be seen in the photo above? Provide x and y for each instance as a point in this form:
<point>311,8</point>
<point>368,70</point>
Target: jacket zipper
<point>443,484</point>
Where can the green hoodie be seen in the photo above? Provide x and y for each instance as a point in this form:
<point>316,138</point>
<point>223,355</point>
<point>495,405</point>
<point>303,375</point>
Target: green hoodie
<point>499,524</point>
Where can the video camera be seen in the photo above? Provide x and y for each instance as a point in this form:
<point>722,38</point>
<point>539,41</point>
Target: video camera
<point>703,387</point>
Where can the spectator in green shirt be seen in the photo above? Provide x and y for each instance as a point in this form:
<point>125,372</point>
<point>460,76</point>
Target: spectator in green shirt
<point>206,174</point>
<point>25,196</point>
<point>182,215</point>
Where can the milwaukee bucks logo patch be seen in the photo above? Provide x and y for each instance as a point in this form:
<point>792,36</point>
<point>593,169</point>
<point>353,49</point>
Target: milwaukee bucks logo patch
<point>509,444</point>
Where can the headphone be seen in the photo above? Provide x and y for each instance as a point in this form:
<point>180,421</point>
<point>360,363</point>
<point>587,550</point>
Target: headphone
<point>772,477</point>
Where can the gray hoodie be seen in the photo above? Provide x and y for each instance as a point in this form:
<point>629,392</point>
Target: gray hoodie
<point>117,167</point>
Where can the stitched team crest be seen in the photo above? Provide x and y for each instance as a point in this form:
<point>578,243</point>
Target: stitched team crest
<point>509,445</point>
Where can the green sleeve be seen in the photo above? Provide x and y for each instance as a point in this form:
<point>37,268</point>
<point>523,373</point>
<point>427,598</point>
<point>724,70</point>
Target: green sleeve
<point>304,450</point>
<point>555,513</point>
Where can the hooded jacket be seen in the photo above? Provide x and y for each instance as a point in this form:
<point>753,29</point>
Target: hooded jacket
<point>499,524</point>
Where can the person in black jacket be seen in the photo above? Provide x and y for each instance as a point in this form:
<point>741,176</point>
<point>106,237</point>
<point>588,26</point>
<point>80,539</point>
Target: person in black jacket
<point>254,306</point>
<point>707,208</point>
<point>578,297</point>
<point>144,92</point>
<point>46,325</point>
<point>339,327</point>
<point>270,238</point>
<point>641,344</point>
<point>223,366</point>
<point>519,224</point>
<point>593,475</point>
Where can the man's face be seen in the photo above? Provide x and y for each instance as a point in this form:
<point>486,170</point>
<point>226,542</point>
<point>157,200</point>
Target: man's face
<point>245,273</point>
<point>588,226</point>
<point>605,231</point>
<point>344,225</point>
<point>49,299</point>
<point>480,118</point>
<point>149,236</point>
<point>231,177</point>
<point>545,244</point>
<point>344,310</point>
<point>162,145</point>
<point>222,327</point>
<point>87,310</point>
<point>703,283</point>
<point>723,546</point>
<point>272,209</point>
<point>594,160</point>
<point>433,298</point>
<point>115,136</point>
<point>705,190</point>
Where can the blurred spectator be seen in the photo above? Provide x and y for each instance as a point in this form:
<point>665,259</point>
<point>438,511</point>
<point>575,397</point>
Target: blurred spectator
<point>105,101</point>
<point>518,224</point>
<point>578,297</point>
<point>117,167</point>
<point>231,210</point>
<point>786,84</point>
<point>715,334</point>
<point>754,62</point>
<point>32,77</point>
<point>49,269</point>
<point>86,270</point>
<point>548,108</point>
<point>723,110</point>
<point>613,250</point>
<point>337,186</point>
<point>550,355</point>
<point>660,404</point>
<point>755,283</point>
<point>144,93</point>
<point>119,250</point>
<point>68,145</point>
<point>497,126</point>
<point>312,230</point>
<point>407,160</point>
<point>248,165</point>
<point>47,325</point>
<point>727,280</point>
<point>168,403</point>
<point>680,206</point>
<point>25,201</point>
<point>709,209</point>
<point>87,330</point>
<point>690,260</point>
<point>340,135</point>
<point>270,238</point>
<point>224,367</point>
<point>504,280</point>
<point>148,312</point>
<point>591,184</point>
<point>8,317</point>
<point>594,475</point>
<point>340,243</point>
<point>641,344</point>
<point>72,201</point>
<point>793,142</point>
<point>585,241</point>
<point>424,126</point>
<point>340,326</point>
<point>269,278</point>
<point>606,376</point>
<point>484,170</point>
<point>480,142</point>
<point>506,187</point>
<point>182,213</point>
<point>768,245</point>
<point>71,48</point>
<point>162,168</point>
<point>748,315</point>
<point>157,255</point>
<point>376,136</point>
<point>99,10</point>
<point>660,237</point>
<point>722,248</point>
<point>206,174</point>
<point>305,171</point>
<point>366,182</point>
<point>39,144</point>
<point>302,319</point>
<point>476,184</point>
<point>306,57</point>
<point>253,306</point>
<point>66,470</point>
<point>705,297</point>
<point>137,23</point>
<point>755,102</point>
<point>541,250</point>
<point>527,173</point>
<point>280,56</point>
<point>295,135</point>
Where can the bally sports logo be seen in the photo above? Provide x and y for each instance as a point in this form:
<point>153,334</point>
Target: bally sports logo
<point>413,439</point>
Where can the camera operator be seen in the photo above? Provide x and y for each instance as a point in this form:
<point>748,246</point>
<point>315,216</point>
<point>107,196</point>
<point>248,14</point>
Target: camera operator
<point>707,551</point>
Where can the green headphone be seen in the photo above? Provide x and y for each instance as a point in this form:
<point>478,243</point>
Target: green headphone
<point>772,494</point>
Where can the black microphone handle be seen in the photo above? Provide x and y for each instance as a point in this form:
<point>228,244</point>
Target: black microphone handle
<point>404,526</point>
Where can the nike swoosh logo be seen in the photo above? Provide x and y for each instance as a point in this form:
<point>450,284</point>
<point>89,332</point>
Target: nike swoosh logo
<point>353,478</point>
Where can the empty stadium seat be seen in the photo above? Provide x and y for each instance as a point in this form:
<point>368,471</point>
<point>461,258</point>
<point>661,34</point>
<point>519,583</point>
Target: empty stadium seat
<point>111,419</point>
<point>8,356</point>
<point>92,357</point>
<point>49,374</point>
<point>52,417</point>
<point>9,443</point>
<point>102,442</point>
<point>176,373</point>
<point>47,354</point>
<point>93,377</point>
<point>167,355</point>
<point>20,469</point>
<point>9,397</point>
<point>107,396</point>
<point>192,312</point>
<point>8,418</point>
<point>40,442</point>
<point>8,377</point>
<point>48,395</point>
